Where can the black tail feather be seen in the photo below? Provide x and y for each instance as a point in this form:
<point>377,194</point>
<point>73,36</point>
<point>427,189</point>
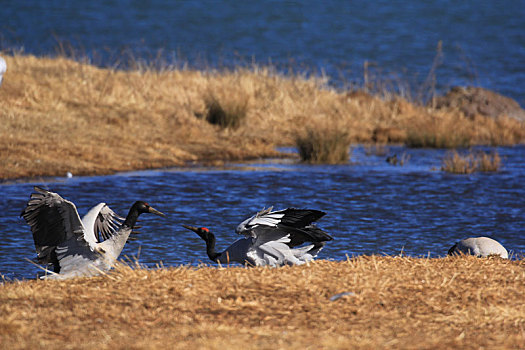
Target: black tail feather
<point>310,233</point>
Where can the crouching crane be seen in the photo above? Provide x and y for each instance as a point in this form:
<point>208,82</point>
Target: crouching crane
<point>77,247</point>
<point>272,238</point>
<point>479,246</point>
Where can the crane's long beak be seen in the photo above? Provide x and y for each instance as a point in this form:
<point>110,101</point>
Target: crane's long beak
<point>204,235</point>
<point>191,228</point>
<point>156,212</point>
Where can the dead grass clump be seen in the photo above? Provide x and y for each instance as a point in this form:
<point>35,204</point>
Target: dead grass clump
<point>419,139</point>
<point>471,162</point>
<point>226,113</point>
<point>442,131</point>
<point>457,164</point>
<point>325,145</point>
<point>489,162</point>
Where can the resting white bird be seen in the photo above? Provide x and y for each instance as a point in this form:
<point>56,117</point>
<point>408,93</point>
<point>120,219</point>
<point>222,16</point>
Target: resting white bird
<point>479,246</point>
<point>77,247</point>
<point>3,68</point>
<point>273,238</point>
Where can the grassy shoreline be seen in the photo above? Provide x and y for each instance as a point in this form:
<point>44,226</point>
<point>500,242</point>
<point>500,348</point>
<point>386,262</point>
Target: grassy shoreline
<point>63,116</point>
<point>394,302</point>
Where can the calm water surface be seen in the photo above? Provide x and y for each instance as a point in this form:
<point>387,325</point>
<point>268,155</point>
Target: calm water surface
<point>372,207</point>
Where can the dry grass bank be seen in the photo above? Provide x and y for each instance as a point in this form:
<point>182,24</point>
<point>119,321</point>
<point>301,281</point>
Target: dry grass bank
<point>60,115</point>
<point>395,302</point>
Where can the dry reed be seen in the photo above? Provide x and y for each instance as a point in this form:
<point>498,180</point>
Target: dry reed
<point>455,163</point>
<point>391,302</point>
<point>59,115</point>
<point>326,146</point>
<point>225,113</point>
<point>489,162</point>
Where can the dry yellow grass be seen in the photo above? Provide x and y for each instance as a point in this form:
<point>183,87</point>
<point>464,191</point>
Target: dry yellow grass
<point>395,302</point>
<point>59,115</point>
<point>471,162</point>
<point>320,145</point>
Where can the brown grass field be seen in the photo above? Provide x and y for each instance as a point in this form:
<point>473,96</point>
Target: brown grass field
<point>59,115</point>
<point>395,302</point>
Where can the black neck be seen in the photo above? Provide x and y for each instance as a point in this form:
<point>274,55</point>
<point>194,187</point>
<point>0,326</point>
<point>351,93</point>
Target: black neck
<point>132,217</point>
<point>210,248</point>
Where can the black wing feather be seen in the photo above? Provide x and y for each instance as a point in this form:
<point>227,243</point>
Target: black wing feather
<point>46,225</point>
<point>300,218</point>
<point>299,224</point>
<point>46,213</point>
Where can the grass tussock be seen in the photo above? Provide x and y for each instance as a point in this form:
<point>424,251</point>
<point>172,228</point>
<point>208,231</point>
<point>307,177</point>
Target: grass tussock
<point>60,115</point>
<point>471,162</point>
<point>324,145</point>
<point>489,162</point>
<point>444,132</point>
<point>228,114</point>
<point>391,302</point>
<point>454,130</point>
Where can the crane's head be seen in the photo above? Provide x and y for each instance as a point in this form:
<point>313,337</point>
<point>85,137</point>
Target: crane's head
<point>139,207</point>
<point>203,232</point>
<point>209,238</point>
<point>143,207</point>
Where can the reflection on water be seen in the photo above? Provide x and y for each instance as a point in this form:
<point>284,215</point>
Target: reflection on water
<point>372,207</point>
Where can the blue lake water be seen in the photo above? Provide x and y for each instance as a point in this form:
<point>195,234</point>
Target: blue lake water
<point>483,41</point>
<point>372,207</point>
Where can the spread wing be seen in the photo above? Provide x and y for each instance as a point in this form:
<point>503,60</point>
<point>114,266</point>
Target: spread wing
<point>101,222</point>
<point>53,221</point>
<point>297,223</point>
<point>107,223</point>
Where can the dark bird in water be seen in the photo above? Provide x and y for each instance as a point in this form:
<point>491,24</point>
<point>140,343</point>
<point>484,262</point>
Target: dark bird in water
<point>272,238</point>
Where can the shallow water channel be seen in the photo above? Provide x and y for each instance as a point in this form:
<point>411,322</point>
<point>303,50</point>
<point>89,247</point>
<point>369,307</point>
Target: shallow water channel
<point>372,207</point>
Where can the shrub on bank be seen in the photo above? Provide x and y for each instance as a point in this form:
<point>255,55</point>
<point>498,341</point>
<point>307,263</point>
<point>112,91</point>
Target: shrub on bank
<point>329,146</point>
<point>226,113</point>
<point>471,162</point>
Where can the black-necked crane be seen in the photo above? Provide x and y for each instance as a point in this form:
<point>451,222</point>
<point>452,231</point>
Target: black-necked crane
<point>73,246</point>
<point>272,238</point>
<point>479,246</point>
